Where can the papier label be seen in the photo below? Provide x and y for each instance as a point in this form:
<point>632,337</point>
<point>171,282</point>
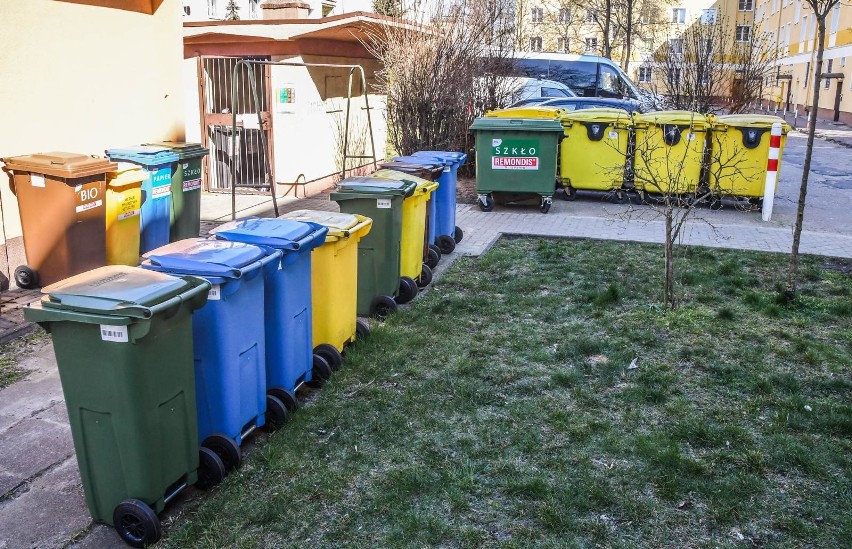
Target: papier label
<point>215,293</point>
<point>383,203</point>
<point>117,334</point>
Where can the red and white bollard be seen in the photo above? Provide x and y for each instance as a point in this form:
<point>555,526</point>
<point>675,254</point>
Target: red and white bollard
<point>771,171</point>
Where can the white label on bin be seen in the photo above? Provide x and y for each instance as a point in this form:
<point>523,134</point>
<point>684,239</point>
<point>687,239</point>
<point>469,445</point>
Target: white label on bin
<point>117,334</point>
<point>383,203</point>
<point>162,191</point>
<point>690,137</point>
<point>127,215</point>
<point>215,293</point>
<point>613,135</point>
<point>496,142</point>
<point>37,180</point>
<point>89,206</point>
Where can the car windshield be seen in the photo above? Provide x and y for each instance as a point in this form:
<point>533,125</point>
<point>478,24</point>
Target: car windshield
<point>580,76</point>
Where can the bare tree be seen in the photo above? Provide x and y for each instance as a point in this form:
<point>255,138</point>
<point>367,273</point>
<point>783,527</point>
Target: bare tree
<point>821,9</point>
<point>391,8</point>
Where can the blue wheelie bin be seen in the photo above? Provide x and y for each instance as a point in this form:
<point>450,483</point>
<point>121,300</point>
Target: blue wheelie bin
<point>158,163</point>
<point>228,336</point>
<point>290,360</point>
<point>444,221</point>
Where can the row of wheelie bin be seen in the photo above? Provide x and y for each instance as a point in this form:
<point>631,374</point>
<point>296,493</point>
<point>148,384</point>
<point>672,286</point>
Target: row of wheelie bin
<point>79,212</point>
<point>533,150</point>
<point>167,367</point>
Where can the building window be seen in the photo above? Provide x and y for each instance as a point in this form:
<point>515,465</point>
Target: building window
<point>835,19</point>
<point>743,33</point>
<point>565,15</point>
<point>212,8</point>
<point>562,44</point>
<point>592,45</point>
<point>829,68</point>
<point>705,47</point>
<point>591,16</point>
<point>676,46</point>
<point>798,11</point>
<point>679,15</point>
<point>645,74</point>
<point>804,29</point>
<point>807,74</point>
<point>253,9</point>
<point>708,16</point>
<point>676,76</point>
<point>535,43</point>
<point>537,15</point>
<point>704,76</point>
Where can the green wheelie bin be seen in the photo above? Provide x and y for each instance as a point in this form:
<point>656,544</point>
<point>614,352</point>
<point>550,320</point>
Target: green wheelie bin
<point>123,343</point>
<point>380,286</point>
<point>185,215</point>
<point>517,158</point>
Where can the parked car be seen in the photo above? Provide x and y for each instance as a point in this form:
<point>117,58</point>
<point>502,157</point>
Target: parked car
<point>579,103</point>
<point>537,88</point>
<point>531,101</point>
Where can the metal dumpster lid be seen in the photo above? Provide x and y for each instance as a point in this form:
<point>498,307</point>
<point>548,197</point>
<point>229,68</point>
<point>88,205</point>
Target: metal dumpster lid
<point>517,124</point>
<point>264,232</point>
<point>679,118</point>
<point>60,164</point>
<point>332,220</point>
<point>204,257</point>
<point>598,115</point>
<point>185,151</point>
<point>112,290</point>
<point>146,155</point>
<point>751,121</point>
<point>376,185</point>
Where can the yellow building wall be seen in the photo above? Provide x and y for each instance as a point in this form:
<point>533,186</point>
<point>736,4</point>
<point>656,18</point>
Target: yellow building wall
<point>84,78</point>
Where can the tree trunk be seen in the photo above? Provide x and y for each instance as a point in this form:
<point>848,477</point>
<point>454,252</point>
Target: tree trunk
<point>628,36</point>
<point>668,284</point>
<point>793,269</point>
<point>607,51</point>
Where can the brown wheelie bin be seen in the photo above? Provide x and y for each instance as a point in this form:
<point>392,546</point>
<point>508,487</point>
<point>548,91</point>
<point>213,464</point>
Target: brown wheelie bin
<point>63,214</point>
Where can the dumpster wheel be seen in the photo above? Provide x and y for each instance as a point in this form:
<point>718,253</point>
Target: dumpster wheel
<point>330,354</point>
<point>383,306</point>
<point>226,448</point>
<point>320,372</point>
<point>276,414</point>
<point>486,202</point>
<point>545,204</point>
<point>569,193</point>
<point>458,234</point>
<point>211,469</point>
<point>425,277</point>
<point>136,523</point>
<point>433,256</point>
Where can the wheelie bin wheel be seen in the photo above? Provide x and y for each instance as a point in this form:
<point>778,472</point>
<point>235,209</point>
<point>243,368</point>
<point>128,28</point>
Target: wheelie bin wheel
<point>545,204</point>
<point>26,277</point>
<point>618,197</point>
<point>285,396</point>
<point>330,354</point>
<point>458,235</point>
<point>276,414</point>
<point>383,306</point>
<point>362,331</point>
<point>136,523</point>
<point>569,193</point>
<point>226,448</point>
<point>320,372</point>
<point>433,256</point>
<point>425,277</point>
<point>446,243</point>
<point>211,470</point>
<point>407,290</point>
<point>716,203</point>
<point>486,203</point>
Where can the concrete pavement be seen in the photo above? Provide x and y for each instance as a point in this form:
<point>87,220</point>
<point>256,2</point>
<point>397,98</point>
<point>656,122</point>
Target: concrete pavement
<point>41,499</point>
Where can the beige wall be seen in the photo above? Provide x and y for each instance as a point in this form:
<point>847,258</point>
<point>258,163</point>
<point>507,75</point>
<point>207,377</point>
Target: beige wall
<point>81,78</point>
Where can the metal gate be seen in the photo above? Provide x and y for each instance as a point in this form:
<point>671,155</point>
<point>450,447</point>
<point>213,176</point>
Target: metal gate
<point>247,160</point>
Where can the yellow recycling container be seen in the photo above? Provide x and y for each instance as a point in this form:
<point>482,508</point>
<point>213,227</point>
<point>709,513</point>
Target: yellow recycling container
<point>546,113</point>
<point>334,280</point>
<point>740,151</point>
<point>123,203</point>
<point>669,151</point>
<point>595,150</point>
<point>413,242</point>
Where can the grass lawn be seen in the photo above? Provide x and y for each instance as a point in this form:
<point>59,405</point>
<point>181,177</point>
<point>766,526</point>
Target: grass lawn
<point>500,409</point>
<point>14,351</point>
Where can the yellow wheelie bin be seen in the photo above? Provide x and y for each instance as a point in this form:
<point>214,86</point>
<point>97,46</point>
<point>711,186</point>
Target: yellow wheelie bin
<point>334,280</point>
<point>669,151</point>
<point>739,153</point>
<point>594,154</point>
<point>413,241</point>
<point>123,203</point>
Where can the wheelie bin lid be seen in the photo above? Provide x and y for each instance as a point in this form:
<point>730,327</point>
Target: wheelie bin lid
<point>185,151</point>
<point>517,124</point>
<point>391,173</point>
<point>332,220</point>
<point>547,113</point>
<point>113,290</point>
<point>597,115</point>
<point>204,257</point>
<point>678,118</point>
<point>425,160</point>
<point>125,175</point>
<point>751,121</point>
<point>427,171</point>
<point>60,164</point>
<point>458,157</point>
<point>281,234</point>
<point>146,155</point>
<point>375,185</point>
